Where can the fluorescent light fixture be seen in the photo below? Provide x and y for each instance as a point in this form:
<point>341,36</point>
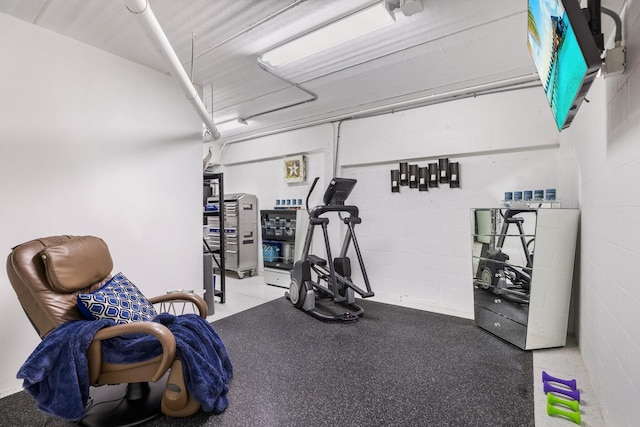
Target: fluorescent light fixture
<point>231,125</point>
<point>340,31</point>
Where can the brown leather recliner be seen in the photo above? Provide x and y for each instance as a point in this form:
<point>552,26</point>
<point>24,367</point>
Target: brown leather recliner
<point>47,274</point>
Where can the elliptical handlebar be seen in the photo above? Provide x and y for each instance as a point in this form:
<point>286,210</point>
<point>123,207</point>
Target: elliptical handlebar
<point>315,181</point>
<point>321,209</point>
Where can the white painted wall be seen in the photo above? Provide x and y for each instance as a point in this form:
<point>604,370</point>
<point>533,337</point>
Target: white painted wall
<point>257,167</point>
<point>607,150</point>
<point>93,144</point>
<point>417,245</point>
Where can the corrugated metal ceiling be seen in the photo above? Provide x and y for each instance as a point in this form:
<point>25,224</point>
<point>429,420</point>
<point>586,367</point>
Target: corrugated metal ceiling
<point>448,46</point>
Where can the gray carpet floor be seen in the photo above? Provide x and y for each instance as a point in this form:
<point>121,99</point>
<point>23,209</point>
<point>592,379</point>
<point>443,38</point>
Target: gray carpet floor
<point>394,367</point>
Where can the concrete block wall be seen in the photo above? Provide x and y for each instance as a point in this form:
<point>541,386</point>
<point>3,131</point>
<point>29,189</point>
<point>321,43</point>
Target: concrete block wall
<point>607,150</point>
<point>417,245</point>
<point>257,167</point>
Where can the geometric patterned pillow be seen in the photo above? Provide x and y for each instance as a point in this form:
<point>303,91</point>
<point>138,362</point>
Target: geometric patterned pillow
<point>119,300</point>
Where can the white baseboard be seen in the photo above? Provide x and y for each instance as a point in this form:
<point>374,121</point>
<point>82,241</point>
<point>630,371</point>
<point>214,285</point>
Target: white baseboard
<point>424,304</point>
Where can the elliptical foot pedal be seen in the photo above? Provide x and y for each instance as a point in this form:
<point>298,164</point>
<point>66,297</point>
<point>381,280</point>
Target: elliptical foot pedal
<point>349,317</point>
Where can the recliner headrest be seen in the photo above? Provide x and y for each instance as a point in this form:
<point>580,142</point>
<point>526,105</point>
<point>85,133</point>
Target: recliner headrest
<point>76,263</point>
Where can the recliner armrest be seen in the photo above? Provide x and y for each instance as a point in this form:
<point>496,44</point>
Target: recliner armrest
<point>196,299</point>
<point>161,332</point>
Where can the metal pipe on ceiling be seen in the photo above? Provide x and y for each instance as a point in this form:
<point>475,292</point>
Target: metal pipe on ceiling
<point>147,19</point>
<point>505,85</point>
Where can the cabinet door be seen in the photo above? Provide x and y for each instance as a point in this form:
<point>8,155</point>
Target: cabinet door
<point>556,234</point>
<point>503,247</point>
<point>503,244</point>
<point>278,238</point>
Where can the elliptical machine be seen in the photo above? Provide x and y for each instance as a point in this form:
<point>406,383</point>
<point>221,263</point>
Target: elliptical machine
<point>332,279</point>
<point>497,274</point>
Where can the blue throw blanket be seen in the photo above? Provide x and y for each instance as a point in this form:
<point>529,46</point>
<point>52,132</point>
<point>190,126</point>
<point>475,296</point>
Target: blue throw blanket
<point>56,373</point>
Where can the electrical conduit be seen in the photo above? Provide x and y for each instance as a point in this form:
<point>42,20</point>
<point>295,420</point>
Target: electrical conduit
<point>148,20</point>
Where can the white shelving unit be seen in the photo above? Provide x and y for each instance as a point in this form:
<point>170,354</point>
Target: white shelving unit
<point>283,234</point>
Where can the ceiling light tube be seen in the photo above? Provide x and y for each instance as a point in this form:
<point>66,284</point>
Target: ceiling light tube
<point>333,34</point>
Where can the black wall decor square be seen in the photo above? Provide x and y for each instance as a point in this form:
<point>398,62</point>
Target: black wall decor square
<point>424,177</point>
<point>395,180</point>
<point>413,176</point>
<point>433,175</point>
<point>404,173</point>
<point>443,167</point>
<point>454,175</point>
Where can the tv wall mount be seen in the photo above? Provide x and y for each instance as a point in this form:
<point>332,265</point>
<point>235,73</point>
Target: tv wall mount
<point>614,59</point>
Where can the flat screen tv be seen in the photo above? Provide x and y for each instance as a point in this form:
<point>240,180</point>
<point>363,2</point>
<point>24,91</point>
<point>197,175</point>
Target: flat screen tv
<point>565,54</point>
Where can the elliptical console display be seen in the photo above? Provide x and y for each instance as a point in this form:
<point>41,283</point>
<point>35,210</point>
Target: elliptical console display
<point>314,278</point>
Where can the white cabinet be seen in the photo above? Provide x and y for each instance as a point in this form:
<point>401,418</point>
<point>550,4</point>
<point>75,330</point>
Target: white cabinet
<point>522,273</point>
<point>283,234</point>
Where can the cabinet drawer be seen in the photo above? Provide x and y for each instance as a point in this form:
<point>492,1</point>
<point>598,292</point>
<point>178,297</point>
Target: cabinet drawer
<point>502,306</point>
<point>213,242</point>
<point>507,329</point>
<point>229,221</point>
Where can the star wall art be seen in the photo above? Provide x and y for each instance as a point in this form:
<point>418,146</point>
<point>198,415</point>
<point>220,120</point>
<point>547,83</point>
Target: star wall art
<point>295,169</point>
